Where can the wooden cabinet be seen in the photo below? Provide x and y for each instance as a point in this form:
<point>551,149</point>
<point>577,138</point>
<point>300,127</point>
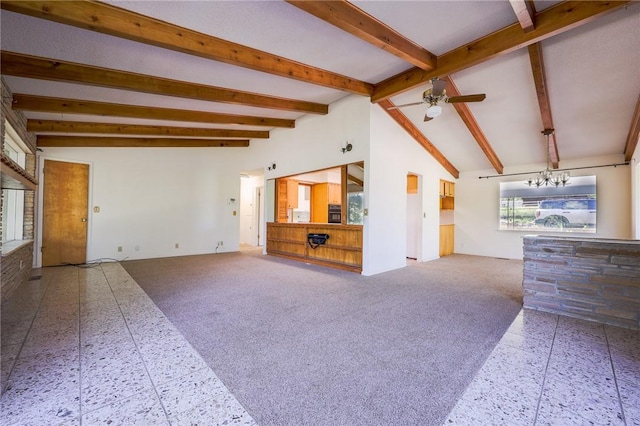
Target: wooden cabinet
<point>447,188</point>
<point>447,203</point>
<point>323,194</point>
<point>334,193</point>
<point>447,195</point>
<point>292,194</point>
<point>287,198</point>
<point>446,240</point>
<point>412,184</point>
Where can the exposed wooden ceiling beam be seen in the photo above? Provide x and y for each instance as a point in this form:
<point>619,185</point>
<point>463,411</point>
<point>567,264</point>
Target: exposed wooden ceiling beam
<point>76,106</point>
<point>549,22</point>
<point>357,22</point>
<point>416,134</point>
<point>115,142</point>
<point>525,12</point>
<point>55,126</point>
<point>634,133</point>
<point>355,180</point>
<point>473,126</point>
<point>20,65</point>
<point>539,77</point>
<point>109,19</point>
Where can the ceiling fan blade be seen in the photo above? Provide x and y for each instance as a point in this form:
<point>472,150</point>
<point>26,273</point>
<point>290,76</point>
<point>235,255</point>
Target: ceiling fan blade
<point>466,98</point>
<point>405,105</point>
<point>438,86</point>
<point>427,118</point>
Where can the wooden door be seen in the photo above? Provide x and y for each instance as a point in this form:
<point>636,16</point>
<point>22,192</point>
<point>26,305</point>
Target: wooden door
<point>65,210</point>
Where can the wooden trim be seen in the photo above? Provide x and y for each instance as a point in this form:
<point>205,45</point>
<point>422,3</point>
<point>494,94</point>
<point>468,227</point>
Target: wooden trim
<point>634,133</point>
<point>357,22</point>
<point>77,106</point>
<point>539,77</point>
<point>525,12</point>
<point>54,126</point>
<point>549,22</point>
<point>117,142</point>
<point>13,176</point>
<point>26,66</point>
<point>109,19</point>
<point>317,262</point>
<point>416,134</point>
<point>473,126</point>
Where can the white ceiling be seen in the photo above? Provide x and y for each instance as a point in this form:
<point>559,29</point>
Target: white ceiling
<point>593,71</point>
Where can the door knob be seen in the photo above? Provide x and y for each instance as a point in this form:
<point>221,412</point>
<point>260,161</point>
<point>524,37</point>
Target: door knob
<point>84,219</point>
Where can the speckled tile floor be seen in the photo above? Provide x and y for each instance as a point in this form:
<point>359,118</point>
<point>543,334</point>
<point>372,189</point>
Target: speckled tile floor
<point>555,370</point>
<point>87,346</point>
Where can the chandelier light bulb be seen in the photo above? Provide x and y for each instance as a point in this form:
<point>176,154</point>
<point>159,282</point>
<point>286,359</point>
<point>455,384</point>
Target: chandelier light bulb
<point>547,176</point>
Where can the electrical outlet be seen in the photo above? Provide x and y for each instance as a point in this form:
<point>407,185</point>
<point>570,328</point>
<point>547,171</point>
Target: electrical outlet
<point>177,245</point>
<point>221,243</point>
<point>119,248</point>
<point>137,248</point>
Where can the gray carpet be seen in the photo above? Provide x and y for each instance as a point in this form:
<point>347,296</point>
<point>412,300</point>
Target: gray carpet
<point>300,344</point>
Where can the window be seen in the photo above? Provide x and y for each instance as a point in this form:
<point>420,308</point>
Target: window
<point>12,214</point>
<point>13,199</point>
<point>572,208</point>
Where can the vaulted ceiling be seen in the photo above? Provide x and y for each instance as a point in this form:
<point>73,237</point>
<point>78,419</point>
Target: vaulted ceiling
<point>226,73</point>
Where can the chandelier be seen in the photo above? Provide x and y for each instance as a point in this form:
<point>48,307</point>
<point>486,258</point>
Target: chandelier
<point>548,177</point>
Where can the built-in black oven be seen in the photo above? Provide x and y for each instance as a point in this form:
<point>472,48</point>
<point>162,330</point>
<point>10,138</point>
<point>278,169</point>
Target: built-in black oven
<point>335,213</point>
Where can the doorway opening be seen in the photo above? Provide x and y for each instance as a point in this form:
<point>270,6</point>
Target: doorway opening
<point>252,222</point>
<point>414,217</point>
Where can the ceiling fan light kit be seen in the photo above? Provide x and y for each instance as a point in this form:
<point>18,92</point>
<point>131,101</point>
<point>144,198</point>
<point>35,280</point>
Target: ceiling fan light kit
<point>437,93</point>
<point>433,111</point>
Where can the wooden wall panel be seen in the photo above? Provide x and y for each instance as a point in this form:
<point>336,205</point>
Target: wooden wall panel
<point>342,250</point>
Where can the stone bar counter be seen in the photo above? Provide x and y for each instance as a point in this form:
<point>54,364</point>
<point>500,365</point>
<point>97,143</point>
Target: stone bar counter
<point>589,278</point>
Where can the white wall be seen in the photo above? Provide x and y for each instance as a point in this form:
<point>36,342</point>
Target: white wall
<point>635,194</point>
<point>152,198</point>
<point>477,207</point>
<point>315,142</point>
<point>394,154</point>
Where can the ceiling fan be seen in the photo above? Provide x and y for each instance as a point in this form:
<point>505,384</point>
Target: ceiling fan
<point>436,93</point>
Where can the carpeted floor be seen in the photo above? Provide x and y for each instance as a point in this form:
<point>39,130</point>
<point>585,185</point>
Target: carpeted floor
<point>300,344</point>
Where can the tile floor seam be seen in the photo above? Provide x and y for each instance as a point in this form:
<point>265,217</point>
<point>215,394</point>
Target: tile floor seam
<point>24,341</point>
<point>546,368</point>
<point>144,363</point>
<point>79,352</point>
<point>615,377</point>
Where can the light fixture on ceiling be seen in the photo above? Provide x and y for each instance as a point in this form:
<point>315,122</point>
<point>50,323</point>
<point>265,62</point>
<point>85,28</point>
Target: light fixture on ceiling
<point>548,177</point>
<point>433,111</point>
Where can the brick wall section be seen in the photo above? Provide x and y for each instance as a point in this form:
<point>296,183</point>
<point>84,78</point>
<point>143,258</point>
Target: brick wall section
<point>11,277</point>
<point>16,269</point>
<point>593,279</point>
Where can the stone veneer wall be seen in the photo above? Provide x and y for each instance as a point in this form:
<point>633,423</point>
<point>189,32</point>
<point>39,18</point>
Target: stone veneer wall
<point>592,279</point>
<point>16,269</point>
<point>11,277</point>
